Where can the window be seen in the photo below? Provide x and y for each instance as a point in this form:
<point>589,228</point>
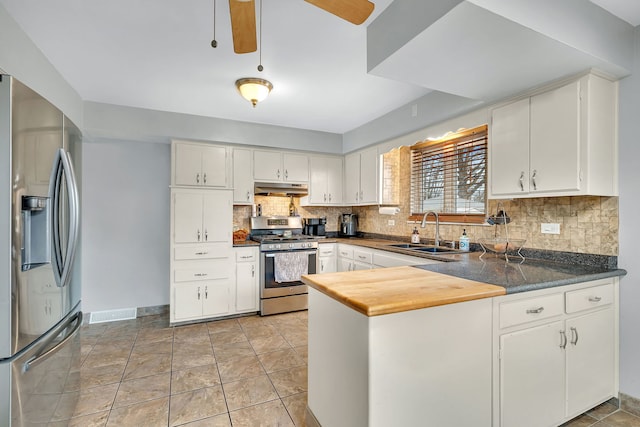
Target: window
<point>449,176</point>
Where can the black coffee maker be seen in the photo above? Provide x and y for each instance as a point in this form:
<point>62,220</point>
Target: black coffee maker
<point>348,225</point>
<point>314,226</point>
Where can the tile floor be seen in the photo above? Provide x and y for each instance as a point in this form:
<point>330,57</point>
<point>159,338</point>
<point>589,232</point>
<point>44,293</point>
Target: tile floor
<point>249,371</point>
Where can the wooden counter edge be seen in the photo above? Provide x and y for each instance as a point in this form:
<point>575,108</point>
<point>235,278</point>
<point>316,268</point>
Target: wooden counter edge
<point>482,290</point>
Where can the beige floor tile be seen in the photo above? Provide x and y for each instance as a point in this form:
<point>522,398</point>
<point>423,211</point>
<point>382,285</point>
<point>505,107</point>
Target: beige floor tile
<point>621,419</point>
<point>92,420</point>
<point>96,399</point>
<point>143,365</point>
<point>228,337</point>
<point>603,410</point>
<point>260,331</point>
<point>143,389</point>
<point>221,420</point>
<point>196,405</point>
<point>303,352</point>
<point>191,332</point>
<point>148,336</point>
<point>280,359</point>
<point>240,368</point>
<point>153,347</point>
<point>296,339</point>
<point>103,355</point>
<point>194,378</point>
<point>580,421</point>
<point>267,414</point>
<point>290,381</point>
<point>296,406</point>
<point>249,392</point>
<point>228,351</point>
<point>186,360</point>
<point>102,375</point>
<point>223,326</point>
<point>270,343</point>
<point>253,321</point>
<point>152,413</point>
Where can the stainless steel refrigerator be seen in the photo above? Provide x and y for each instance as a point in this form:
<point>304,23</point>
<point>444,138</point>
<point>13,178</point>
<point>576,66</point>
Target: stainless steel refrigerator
<point>40,315</point>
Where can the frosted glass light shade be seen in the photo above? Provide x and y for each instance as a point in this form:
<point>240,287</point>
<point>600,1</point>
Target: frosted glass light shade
<point>254,90</point>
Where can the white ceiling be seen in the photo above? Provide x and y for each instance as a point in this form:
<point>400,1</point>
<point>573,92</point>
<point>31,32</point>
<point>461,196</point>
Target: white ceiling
<point>156,54</point>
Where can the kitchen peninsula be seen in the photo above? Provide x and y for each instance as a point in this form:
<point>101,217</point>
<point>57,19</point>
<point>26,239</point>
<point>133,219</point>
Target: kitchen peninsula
<point>430,345</point>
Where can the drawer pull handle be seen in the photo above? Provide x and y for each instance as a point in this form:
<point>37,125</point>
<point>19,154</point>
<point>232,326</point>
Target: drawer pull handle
<point>362,257</point>
<point>563,340</point>
<point>574,336</point>
<point>535,310</point>
<point>201,253</point>
<point>595,299</point>
<point>200,274</point>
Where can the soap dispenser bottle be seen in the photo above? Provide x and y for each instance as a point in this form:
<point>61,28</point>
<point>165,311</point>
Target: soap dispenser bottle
<point>464,241</point>
<point>415,236</point>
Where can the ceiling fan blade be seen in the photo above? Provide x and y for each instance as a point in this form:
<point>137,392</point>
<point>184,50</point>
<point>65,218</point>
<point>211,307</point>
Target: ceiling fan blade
<point>243,25</point>
<point>354,11</point>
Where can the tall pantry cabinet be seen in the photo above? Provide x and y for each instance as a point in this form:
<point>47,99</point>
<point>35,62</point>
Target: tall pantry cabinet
<point>202,275</point>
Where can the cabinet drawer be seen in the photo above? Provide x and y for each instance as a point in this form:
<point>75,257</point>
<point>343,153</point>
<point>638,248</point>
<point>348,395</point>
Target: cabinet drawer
<point>326,250</point>
<point>207,271</point>
<point>528,310</point>
<point>362,256</point>
<point>200,252</point>
<point>585,299</point>
<point>246,256</point>
<point>345,251</point>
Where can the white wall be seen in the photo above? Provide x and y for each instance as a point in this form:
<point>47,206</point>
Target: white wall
<point>630,228</point>
<point>125,226</point>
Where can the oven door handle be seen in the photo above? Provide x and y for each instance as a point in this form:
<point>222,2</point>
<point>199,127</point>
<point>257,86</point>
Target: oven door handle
<point>273,254</point>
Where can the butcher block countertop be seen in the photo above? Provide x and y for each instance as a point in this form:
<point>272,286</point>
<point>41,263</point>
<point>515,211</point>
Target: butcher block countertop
<point>397,289</point>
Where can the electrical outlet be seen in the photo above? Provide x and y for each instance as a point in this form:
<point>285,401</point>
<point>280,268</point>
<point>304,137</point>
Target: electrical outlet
<point>549,228</point>
<point>391,222</point>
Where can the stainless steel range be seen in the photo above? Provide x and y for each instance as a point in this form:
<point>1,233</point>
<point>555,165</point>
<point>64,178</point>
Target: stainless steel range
<point>285,255</point>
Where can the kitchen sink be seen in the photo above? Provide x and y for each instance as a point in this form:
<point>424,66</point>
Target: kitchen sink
<point>425,248</point>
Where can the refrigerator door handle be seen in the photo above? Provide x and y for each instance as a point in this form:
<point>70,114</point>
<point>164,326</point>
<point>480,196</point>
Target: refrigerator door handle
<point>62,262</point>
<point>41,357</point>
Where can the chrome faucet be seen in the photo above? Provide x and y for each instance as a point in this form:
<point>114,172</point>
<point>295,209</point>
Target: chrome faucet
<point>424,224</point>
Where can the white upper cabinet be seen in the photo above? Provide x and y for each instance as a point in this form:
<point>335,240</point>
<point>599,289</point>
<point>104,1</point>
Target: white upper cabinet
<point>559,143</point>
<point>361,177</point>
<point>275,166</point>
<point>242,177</point>
<point>200,165</point>
<point>325,180</point>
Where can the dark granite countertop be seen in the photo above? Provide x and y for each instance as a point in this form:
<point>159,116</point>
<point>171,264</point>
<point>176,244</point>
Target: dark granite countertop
<point>521,276</point>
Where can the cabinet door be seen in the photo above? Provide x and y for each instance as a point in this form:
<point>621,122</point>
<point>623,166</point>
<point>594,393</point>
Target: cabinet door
<point>188,164</point>
<point>246,286</point>
<point>590,360</point>
<point>327,264</point>
<point>509,149</point>
<point>214,166</point>
<point>242,177</point>
<point>187,218</point>
<point>369,176</point>
<point>334,180</point>
<point>187,298</point>
<point>216,297</point>
<point>296,167</point>
<point>318,193</point>
<point>352,178</point>
<point>555,143</point>
<point>267,166</point>
<point>344,264</point>
<point>217,213</point>
<point>361,266</point>
<point>532,377</point>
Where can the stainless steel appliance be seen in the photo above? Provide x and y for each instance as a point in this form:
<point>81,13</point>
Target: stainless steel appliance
<point>314,226</point>
<point>285,255</point>
<point>40,315</point>
<point>348,225</point>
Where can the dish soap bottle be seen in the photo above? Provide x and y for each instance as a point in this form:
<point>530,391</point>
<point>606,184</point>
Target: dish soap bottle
<point>415,236</point>
<point>464,241</point>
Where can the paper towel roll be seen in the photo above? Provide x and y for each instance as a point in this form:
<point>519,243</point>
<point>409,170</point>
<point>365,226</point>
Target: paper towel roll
<point>388,210</point>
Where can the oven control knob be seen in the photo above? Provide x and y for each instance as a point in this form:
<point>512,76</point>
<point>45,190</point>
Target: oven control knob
<point>291,245</point>
<point>278,246</point>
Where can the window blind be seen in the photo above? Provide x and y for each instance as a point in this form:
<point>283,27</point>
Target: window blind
<point>449,175</point>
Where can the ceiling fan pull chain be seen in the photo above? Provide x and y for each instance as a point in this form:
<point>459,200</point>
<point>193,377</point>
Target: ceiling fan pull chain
<point>260,67</point>
<point>214,42</point>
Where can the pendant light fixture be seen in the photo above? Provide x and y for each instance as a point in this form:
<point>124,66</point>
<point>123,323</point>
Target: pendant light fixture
<point>254,89</point>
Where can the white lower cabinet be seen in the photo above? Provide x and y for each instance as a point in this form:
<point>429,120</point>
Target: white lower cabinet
<point>352,257</point>
<point>327,260</point>
<point>247,280</point>
<point>554,364</point>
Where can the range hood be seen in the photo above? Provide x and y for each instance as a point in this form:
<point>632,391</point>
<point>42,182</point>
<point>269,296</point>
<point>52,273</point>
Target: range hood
<point>280,189</point>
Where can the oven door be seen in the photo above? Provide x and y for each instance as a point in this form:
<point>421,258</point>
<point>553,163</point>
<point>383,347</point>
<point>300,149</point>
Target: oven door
<point>270,288</point>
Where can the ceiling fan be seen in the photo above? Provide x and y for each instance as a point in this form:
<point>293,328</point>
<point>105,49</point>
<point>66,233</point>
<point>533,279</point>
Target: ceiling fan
<point>243,18</point>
